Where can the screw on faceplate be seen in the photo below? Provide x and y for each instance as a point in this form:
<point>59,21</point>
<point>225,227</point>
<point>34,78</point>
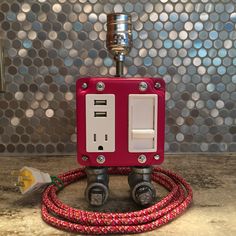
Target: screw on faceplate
<point>157,85</point>
<point>101,159</point>
<point>84,85</point>
<point>156,157</point>
<point>100,86</point>
<point>142,159</point>
<point>84,158</point>
<point>143,86</point>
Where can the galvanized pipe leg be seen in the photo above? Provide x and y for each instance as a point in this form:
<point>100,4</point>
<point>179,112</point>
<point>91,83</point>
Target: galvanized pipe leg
<point>142,190</point>
<point>97,192</point>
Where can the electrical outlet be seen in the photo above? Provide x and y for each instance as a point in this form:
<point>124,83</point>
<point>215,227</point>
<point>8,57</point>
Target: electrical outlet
<point>100,122</point>
<point>142,123</point>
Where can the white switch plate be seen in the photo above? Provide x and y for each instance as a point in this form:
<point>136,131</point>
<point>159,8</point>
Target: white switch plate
<point>100,122</point>
<point>142,123</point>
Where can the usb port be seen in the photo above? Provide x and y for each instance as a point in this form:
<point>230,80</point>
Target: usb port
<point>100,114</point>
<point>100,102</point>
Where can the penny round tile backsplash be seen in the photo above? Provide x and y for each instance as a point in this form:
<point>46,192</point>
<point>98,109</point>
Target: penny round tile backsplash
<point>50,44</point>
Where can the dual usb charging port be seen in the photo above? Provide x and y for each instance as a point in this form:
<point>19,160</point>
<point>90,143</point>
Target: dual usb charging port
<point>99,102</point>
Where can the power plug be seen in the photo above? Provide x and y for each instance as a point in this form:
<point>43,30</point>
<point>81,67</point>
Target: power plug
<point>31,179</point>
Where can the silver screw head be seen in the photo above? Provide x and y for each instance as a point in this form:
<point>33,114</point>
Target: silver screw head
<point>100,86</point>
<point>143,86</point>
<point>157,85</point>
<point>156,157</point>
<point>84,158</point>
<point>142,159</point>
<point>100,159</point>
<point>84,85</point>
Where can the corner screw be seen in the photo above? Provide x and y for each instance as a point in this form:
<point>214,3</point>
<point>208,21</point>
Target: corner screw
<point>101,159</point>
<point>157,85</point>
<point>143,86</point>
<point>142,159</point>
<point>100,86</point>
<point>84,85</point>
<point>156,157</point>
<point>84,158</point>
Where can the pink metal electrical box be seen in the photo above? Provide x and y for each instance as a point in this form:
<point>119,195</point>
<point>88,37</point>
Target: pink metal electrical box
<point>120,121</point>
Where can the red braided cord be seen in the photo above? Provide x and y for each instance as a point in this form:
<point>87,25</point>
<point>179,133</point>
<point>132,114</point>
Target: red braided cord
<point>62,216</point>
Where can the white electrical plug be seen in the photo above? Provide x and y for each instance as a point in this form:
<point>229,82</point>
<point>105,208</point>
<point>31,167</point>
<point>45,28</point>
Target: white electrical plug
<point>31,179</point>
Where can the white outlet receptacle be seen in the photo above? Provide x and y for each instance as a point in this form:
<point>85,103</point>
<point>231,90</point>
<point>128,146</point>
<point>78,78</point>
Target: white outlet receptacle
<point>100,122</point>
<point>142,123</point>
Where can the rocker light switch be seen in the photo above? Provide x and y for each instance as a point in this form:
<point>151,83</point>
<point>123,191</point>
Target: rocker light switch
<point>142,123</point>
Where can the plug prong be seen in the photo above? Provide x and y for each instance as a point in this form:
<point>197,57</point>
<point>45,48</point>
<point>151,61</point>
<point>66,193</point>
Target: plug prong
<point>25,178</point>
<point>20,184</point>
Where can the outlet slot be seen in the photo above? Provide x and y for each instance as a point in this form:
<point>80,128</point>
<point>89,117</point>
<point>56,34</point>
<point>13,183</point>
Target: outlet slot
<point>100,148</point>
<point>100,114</point>
<point>106,137</point>
<point>94,137</point>
<point>100,102</point>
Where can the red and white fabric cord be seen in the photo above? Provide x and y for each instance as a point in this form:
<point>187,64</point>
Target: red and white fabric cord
<point>64,217</point>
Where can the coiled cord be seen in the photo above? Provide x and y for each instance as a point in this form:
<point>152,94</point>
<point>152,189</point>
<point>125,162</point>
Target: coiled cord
<point>64,217</point>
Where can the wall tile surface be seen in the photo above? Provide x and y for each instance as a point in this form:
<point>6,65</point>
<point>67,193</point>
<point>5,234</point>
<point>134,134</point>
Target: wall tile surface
<point>49,44</point>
